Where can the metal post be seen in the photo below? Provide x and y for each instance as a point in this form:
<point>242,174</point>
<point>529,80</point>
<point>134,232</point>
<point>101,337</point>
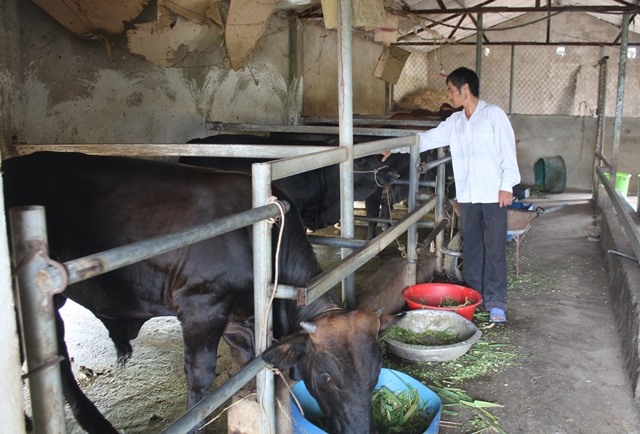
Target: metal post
<point>638,195</point>
<point>439,214</point>
<point>617,124</point>
<point>262,277</point>
<point>345,107</point>
<point>412,232</point>
<point>512,78</point>
<point>294,92</point>
<point>600,111</point>
<point>479,36</point>
<point>30,250</point>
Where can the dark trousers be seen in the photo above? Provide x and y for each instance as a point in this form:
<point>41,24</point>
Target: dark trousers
<point>484,266</point>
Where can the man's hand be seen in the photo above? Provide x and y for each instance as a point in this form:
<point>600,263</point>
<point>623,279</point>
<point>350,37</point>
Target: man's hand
<point>504,198</point>
<point>385,155</point>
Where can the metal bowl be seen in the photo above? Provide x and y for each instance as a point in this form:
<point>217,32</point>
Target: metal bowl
<point>419,321</point>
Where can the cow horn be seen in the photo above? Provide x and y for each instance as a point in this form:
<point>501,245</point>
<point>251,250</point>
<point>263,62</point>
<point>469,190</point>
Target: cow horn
<point>308,327</point>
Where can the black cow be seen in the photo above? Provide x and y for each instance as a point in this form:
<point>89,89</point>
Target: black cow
<point>97,203</point>
<point>316,193</point>
<point>379,203</point>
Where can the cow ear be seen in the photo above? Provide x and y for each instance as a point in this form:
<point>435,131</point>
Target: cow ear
<point>387,321</point>
<point>240,338</point>
<point>287,353</point>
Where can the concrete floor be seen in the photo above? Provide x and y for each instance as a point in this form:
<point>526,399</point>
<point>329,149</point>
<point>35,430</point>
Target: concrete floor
<point>571,376</point>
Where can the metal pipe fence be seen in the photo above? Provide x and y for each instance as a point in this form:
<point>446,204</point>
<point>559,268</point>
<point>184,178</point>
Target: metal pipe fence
<point>610,160</point>
<point>52,278</point>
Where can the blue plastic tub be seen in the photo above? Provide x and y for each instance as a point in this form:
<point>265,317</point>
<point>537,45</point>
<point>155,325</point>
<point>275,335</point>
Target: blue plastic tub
<point>394,380</point>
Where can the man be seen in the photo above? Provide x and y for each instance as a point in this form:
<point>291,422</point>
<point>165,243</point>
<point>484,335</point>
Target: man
<point>483,155</point>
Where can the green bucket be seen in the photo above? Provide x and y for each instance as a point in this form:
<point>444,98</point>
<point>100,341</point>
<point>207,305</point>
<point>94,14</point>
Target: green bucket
<point>551,174</point>
<point>622,182</point>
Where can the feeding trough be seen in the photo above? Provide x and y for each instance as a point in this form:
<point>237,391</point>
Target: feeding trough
<point>443,296</point>
<point>395,381</point>
<point>430,325</point>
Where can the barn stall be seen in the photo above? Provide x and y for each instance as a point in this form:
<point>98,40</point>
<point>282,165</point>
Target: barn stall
<point>65,90</point>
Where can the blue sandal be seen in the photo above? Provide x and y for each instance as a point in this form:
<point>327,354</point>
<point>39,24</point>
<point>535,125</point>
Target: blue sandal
<point>497,315</point>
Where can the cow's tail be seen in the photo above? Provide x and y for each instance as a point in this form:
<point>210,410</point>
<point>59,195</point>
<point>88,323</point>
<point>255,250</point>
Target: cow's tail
<point>85,412</point>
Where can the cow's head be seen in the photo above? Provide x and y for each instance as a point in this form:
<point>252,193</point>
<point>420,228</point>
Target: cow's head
<point>369,173</point>
<point>339,359</point>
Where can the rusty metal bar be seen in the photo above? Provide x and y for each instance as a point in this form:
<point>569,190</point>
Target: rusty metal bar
<point>30,252</point>
<point>100,263</point>
<point>215,399</point>
<point>325,281</point>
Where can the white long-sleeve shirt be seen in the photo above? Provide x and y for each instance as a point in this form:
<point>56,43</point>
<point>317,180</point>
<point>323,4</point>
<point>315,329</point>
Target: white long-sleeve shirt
<point>483,152</point>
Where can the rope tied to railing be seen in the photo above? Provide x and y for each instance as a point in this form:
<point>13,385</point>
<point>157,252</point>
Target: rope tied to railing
<point>280,220</point>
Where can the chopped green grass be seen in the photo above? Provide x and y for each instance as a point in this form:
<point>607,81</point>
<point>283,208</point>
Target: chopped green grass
<point>487,356</point>
<point>401,412</point>
<point>426,338</point>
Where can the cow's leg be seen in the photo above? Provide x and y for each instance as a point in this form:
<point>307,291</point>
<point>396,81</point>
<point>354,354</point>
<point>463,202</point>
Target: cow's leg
<point>372,206</point>
<point>121,332</point>
<point>85,412</point>
<point>387,201</point>
<point>201,338</point>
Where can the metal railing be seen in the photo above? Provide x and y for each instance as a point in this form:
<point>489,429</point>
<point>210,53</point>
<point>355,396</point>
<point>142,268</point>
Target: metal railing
<point>601,160</point>
<point>50,278</point>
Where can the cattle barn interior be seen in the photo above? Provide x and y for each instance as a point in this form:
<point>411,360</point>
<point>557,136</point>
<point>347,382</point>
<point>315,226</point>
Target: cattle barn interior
<point>143,79</point>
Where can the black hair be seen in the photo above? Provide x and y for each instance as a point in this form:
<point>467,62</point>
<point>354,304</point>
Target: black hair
<point>461,76</point>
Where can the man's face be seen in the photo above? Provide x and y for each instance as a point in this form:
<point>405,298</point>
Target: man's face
<point>456,96</point>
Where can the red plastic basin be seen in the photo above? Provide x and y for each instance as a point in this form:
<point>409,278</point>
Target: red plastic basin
<point>434,295</point>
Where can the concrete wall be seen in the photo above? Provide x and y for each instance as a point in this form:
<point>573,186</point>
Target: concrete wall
<point>624,288</point>
<point>573,138</point>
<point>11,409</point>
<point>74,94</point>
<point>320,72</point>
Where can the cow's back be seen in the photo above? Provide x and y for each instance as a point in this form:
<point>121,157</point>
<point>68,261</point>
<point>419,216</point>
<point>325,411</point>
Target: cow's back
<point>98,203</point>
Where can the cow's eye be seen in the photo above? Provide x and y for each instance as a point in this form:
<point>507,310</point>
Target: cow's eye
<point>325,378</point>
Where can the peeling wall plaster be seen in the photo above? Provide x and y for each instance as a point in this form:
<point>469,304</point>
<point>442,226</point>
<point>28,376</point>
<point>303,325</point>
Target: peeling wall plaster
<point>261,80</point>
<point>73,94</point>
<point>171,46</point>
<point>118,109</point>
<point>320,72</point>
